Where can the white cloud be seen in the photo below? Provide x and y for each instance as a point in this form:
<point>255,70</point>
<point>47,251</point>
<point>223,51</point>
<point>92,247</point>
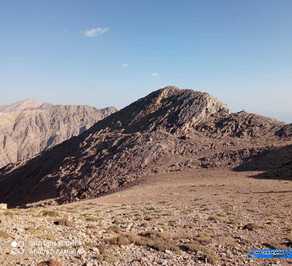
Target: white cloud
<point>155,74</point>
<point>125,65</point>
<point>94,32</point>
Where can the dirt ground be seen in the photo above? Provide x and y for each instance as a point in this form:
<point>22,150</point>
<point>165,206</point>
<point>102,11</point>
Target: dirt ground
<point>198,217</point>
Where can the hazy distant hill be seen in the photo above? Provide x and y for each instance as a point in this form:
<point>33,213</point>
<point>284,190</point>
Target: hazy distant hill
<point>29,127</point>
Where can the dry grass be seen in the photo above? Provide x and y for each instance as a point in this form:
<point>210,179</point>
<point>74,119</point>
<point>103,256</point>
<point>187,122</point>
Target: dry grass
<point>49,213</point>
<point>204,238</point>
<point>202,252</point>
<point>88,217</point>
<point>250,227</point>
<point>162,242</point>
<point>152,240</point>
<point>41,233</point>
<point>181,226</point>
<point>7,213</point>
<point>114,228</point>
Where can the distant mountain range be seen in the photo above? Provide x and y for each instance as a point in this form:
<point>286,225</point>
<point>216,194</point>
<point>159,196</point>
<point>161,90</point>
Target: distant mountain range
<point>167,131</point>
<point>29,127</point>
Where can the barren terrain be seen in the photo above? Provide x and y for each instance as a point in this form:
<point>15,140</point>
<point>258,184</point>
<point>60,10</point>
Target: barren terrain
<point>194,217</point>
<point>194,183</point>
<point>168,130</point>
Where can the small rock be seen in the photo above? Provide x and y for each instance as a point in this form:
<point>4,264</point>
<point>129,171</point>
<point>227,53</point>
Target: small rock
<point>249,227</point>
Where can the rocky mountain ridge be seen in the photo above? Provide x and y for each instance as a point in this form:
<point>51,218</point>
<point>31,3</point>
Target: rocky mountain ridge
<point>29,127</point>
<point>27,104</point>
<point>168,130</point>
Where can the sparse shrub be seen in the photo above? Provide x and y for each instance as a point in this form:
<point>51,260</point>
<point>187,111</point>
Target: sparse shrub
<point>250,227</point>
<point>63,222</point>
<point>152,240</point>
<point>40,232</point>
<point>90,217</point>
<point>51,262</point>
<point>49,213</point>
<point>203,253</point>
<point>157,241</point>
<point>7,213</point>
<point>204,238</point>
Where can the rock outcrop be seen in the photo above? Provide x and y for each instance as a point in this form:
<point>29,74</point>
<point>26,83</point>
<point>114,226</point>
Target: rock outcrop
<point>285,131</point>
<point>168,130</point>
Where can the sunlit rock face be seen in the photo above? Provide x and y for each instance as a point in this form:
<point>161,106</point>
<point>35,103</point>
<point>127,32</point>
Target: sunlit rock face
<point>29,127</point>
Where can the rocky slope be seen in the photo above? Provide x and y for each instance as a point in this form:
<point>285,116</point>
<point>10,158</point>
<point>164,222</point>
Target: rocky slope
<point>168,130</point>
<point>29,127</point>
<point>194,217</point>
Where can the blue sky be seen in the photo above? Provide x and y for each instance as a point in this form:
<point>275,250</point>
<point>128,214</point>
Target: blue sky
<point>112,52</point>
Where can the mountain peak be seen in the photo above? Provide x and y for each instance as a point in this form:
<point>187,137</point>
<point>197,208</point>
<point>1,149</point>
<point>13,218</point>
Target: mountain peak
<point>166,130</point>
<point>23,105</point>
<point>170,108</point>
